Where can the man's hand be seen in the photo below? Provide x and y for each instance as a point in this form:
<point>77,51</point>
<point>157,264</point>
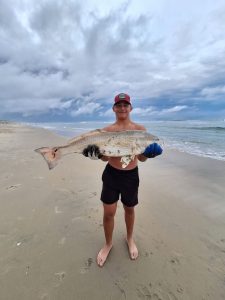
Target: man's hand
<point>153,150</point>
<point>92,151</point>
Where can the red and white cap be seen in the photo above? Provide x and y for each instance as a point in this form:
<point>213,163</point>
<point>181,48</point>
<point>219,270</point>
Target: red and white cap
<point>122,97</point>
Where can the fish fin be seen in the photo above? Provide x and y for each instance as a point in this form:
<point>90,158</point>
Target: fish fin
<point>51,155</point>
<point>125,160</point>
<point>91,133</point>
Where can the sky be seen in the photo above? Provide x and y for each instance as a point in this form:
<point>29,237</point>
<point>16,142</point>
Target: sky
<point>65,60</point>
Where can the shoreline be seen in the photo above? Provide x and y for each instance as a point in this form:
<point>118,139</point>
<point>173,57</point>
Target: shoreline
<point>51,226</point>
<point>165,141</point>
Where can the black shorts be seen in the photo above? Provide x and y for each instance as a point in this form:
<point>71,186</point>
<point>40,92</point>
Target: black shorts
<point>120,182</point>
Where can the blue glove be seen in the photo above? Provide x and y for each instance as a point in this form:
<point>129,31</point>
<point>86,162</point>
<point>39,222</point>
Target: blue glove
<point>152,150</point>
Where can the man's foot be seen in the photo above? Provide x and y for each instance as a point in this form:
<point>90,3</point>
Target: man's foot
<point>103,254</point>
<point>133,251</point>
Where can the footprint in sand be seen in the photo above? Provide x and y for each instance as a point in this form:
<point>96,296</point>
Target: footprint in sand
<point>143,292</point>
<point>148,292</point>
<point>13,187</point>
<point>175,260</point>
<point>121,289</point>
<point>88,264</point>
<point>180,290</point>
<point>175,263</point>
<point>147,254</point>
<point>60,275</point>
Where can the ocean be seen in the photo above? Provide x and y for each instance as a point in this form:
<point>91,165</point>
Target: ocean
<point>201,138</point>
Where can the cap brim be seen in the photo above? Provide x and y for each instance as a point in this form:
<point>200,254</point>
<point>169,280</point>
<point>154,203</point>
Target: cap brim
<point>122,101</point>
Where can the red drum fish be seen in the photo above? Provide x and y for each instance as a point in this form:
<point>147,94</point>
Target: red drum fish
<point>125,144</point>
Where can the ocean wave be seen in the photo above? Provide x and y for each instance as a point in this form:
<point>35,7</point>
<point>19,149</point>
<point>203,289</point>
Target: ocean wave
<point>211,128</point>
<point>201,152</point>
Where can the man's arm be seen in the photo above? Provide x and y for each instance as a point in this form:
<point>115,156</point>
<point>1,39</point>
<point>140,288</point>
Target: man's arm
<point>142,158</point>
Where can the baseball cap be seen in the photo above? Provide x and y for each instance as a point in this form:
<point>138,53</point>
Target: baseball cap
<point>122,97</point>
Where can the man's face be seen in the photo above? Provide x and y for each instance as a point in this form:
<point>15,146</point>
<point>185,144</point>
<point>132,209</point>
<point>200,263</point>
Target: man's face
<point>122,109</point>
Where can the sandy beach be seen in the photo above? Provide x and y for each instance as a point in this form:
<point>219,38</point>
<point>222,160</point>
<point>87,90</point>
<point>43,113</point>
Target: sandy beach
<point>51,226</point>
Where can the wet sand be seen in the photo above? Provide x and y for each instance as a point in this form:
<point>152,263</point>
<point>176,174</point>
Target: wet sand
<point>51,226</point>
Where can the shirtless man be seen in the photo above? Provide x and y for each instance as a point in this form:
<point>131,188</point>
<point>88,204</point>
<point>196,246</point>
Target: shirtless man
<point>118,181</point>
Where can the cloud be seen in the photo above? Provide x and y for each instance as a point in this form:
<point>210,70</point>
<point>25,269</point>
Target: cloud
<point>107,113</point>
<point>154,111</point>
<point>56,50</point>
<point>214,92</point>
<point>84,109</point>
<point>148,111</point>
<point>142,112</point>
<point>173,109</point>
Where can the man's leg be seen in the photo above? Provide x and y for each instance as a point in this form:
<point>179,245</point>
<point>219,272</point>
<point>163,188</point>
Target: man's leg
<point>108,223</point>
<point>129,220</point>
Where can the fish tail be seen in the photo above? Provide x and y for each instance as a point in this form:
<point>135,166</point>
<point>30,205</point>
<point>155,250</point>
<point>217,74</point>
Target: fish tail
<point>51,155</point>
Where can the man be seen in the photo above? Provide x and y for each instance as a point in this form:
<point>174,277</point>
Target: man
<point>118,181</point>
